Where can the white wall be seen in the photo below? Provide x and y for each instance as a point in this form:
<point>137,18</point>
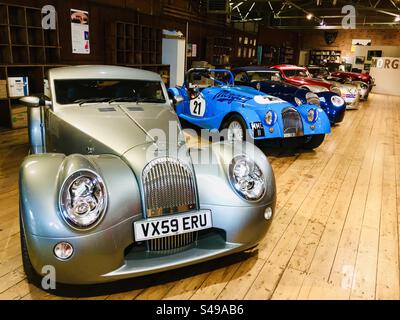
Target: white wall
<point>387,51</point>
<point>387,75</point>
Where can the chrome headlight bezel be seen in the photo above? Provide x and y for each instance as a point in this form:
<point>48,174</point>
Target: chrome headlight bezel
<point>298,101</point>
<point>313,98</point>
<point>254,174</point>
<point>270,117</point>
<point>312,115</point>
<point>336,90</point>
<point>337,101</point>
<point>93,217</point>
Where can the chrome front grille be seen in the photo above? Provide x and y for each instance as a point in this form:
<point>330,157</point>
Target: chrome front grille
<point>169,187</point>
<point>292,123</point>
<point>172,242</point>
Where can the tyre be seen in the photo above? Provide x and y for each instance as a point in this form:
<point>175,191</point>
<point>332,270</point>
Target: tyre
<point>236,128</point>
<point>313,142</point>
<point>30,272</point>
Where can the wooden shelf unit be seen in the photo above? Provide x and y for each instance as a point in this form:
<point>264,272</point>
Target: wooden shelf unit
<point>320,56</point>
<point>137,46</point>
<point>132,43</point>
<point>26,49</point>
<point>22,38</point>
<point>219,50</point>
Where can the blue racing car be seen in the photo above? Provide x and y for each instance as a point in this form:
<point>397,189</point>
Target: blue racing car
<point>268,80</point>
<point>212,101</point>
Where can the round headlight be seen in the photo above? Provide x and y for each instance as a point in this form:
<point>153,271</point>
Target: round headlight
<point>246,178</point>
<point>364,86</point>
<point>270,118</point>
<point>312,98</point>
<point>312,115</point>
<point>336,90</point>
<point>337,101</point>
<point>83,199</point>
<point>298,101</point>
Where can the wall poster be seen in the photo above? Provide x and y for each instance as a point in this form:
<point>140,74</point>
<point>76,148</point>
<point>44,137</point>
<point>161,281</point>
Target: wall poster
<point>80,32</point>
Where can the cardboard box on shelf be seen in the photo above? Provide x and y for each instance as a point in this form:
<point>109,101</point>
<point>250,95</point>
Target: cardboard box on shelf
<point>3,89</point>
<point>19,116</point>
<point>18,86</point>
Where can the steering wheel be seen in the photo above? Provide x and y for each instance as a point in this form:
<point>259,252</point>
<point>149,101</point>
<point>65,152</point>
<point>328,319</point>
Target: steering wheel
<point>194,93</point>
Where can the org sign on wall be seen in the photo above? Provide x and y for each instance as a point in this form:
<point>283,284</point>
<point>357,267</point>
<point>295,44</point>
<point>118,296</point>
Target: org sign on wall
<point>386,72</point>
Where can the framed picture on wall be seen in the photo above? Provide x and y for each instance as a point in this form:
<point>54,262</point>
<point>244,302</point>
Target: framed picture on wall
<point>360,60</point>
<point>374,54</point>
<point>367,67</point>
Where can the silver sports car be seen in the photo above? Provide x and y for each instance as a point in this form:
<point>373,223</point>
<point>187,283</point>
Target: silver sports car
<point>111,190</point>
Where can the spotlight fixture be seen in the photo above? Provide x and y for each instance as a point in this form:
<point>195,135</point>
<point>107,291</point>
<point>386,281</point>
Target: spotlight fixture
<point>309,16</point>
<point>397,19</point>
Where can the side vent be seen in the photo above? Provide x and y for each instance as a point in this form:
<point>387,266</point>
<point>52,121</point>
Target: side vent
<point>106,109</point>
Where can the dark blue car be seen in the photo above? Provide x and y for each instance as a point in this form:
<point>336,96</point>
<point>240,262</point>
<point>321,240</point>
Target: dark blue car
<point>268,80</point>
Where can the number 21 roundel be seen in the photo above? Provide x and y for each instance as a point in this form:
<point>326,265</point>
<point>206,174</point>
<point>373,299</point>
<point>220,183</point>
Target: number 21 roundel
<point>198,106</point>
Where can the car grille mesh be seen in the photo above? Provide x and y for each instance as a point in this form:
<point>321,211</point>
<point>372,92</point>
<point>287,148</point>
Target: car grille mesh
<point>169,188</point>
<point>292,123</point>
<point>172,242</point>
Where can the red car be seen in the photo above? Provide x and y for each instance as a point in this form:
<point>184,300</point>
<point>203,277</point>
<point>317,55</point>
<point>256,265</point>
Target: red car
<point>365,77</point>
<point>299,76</point>
<point>335,70</point>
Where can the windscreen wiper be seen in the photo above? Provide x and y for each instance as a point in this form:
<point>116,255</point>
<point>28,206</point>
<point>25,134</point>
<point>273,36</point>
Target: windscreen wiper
<point>155,100</point>
<point>91,100</point>
<point>123,99</point>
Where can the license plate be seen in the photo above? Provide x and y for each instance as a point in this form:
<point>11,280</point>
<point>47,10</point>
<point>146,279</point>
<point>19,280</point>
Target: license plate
<point>289,135</point>
<point>166,226</point>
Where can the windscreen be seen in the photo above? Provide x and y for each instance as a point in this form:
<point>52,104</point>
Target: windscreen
<point>92,90</point>
<point>256,76</point>
<point>295,73</point>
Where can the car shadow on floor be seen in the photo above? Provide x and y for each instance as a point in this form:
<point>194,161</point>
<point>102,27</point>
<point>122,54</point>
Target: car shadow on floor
<point>144,282</point>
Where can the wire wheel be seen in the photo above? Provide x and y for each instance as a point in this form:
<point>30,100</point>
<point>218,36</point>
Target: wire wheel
<point>235,131</point>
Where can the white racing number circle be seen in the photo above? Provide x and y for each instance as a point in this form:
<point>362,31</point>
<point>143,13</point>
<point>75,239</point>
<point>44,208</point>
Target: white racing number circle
<point>198,106</point>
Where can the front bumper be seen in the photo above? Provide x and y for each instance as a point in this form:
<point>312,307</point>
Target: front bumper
<point>351,101</point>
<point>112,254</point>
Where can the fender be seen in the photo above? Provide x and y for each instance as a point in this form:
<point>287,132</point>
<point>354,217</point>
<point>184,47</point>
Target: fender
<point>39,196</point>
<point>217,172</point>
<point>321,126</point>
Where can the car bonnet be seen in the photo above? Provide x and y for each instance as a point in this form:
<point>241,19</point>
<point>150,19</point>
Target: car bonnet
<point>121,127</point>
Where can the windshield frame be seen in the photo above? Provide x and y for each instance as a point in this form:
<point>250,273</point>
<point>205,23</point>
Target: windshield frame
<point>308,75</point>
<point>275,72</point>
<point>56,95</point>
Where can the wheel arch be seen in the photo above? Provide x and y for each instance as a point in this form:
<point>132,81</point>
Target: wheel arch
<point>231,114</point>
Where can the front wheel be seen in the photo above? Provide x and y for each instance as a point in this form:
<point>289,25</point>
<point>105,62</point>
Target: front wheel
<point>236,128</point>
<point>313,142</point>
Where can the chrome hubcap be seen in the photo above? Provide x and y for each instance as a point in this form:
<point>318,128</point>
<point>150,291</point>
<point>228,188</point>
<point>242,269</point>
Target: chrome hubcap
<point>235,131</point>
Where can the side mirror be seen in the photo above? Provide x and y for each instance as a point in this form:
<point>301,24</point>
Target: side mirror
<point>30,101</point>
<point>34,101</point>
<point>177,100</point>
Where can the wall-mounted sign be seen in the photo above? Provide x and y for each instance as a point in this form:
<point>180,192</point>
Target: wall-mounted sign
<point>386,73</point>
<point>385,63</point>
<point>80,31</point>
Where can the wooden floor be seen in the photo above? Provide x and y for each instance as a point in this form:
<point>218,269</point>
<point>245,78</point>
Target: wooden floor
<point>335,234</point>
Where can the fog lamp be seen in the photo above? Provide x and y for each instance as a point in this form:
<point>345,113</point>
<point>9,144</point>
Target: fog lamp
<point>63,250</point>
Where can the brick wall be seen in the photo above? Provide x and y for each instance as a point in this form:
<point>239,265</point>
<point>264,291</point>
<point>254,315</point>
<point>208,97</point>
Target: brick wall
<point>315,39</point>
